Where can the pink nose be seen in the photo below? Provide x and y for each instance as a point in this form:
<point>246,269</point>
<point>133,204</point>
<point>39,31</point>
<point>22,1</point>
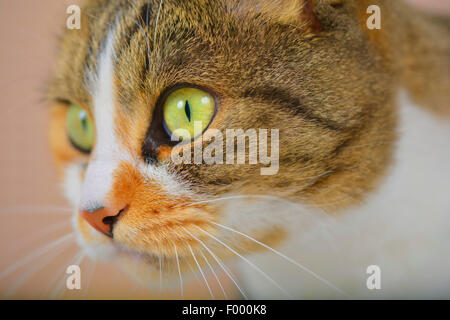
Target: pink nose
<point>103,219</point>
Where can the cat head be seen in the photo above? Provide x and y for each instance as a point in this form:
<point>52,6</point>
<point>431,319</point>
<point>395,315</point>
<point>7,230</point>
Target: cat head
<point>303,74</point>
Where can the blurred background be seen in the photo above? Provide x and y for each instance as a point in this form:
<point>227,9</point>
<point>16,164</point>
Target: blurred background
<point>33,214</point>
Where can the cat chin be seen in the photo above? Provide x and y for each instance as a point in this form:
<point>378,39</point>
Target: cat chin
<point>141,267</point>
<point>100,247</point>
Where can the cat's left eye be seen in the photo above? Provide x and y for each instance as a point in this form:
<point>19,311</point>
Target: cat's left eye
<point>190,109</point>
<point>80,128</point>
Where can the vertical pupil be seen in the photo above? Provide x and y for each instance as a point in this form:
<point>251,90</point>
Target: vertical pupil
<point>187,109</point>
<point>83,120</point>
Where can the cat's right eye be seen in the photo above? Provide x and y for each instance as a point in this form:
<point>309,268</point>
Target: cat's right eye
<point>80,128</point>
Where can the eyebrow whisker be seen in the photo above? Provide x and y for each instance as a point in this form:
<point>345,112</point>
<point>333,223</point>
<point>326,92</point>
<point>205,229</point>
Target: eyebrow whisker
<point>156,23</point>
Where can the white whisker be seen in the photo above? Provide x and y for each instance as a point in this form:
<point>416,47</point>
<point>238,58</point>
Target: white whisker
<point>58,292</point>
<point>248,261</point>
<point>35,269</point>
<point>215,275</point>
<point>218,262</point>
<point>139,23</point>
<point>156,23</point>
<point>23,243</point>
<point>160,275</point>
<point>315,275</point>
<point>201,271</point>
<point>186,260</point>
<point>35,209</point>
<point>89,278</point>
<point>247,196</point>
<point>179,272</point>
<point>192,270</point>
<point>35,254</point>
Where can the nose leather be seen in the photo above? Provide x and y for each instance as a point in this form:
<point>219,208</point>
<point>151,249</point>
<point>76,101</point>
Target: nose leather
<point>99,218</point>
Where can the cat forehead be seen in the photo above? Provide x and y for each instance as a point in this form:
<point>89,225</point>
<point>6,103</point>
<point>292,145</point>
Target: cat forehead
<point>159,44</point>
<point>141,27</point>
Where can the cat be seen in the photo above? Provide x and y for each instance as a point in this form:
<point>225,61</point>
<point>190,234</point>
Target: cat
<point>363,127</point>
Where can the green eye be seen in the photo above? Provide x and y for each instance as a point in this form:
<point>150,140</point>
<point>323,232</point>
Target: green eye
<point>80,128</point>
<point>186,107</point>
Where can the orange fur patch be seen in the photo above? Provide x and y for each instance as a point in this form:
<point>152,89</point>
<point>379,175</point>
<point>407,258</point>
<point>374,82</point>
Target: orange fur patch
<point>155,220</point>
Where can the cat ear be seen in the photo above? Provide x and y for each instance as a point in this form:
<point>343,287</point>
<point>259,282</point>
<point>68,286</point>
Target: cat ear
<point>294,12</point>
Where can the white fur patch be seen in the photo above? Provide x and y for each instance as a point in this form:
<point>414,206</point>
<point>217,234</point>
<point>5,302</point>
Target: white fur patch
<point>403,228</point>
<point>106,154</point>
<point>169,182</point>
<point>73,184</point>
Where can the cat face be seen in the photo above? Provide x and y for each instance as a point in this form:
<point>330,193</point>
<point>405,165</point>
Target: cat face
<point>312,75</point>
